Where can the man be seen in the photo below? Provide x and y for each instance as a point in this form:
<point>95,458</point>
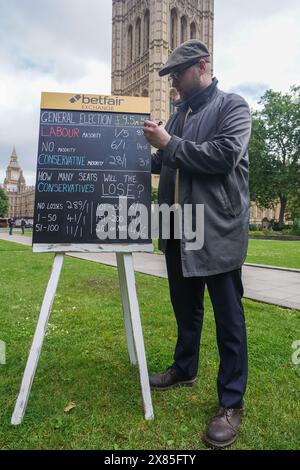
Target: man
<point>23,225</point>
<point>202,159</point>
<point>11,224</point>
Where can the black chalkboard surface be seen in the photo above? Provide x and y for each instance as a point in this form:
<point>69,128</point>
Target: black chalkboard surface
<point>88,159</point>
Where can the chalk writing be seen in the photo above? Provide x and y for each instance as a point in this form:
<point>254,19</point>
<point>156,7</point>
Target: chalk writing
<point>87,159</point>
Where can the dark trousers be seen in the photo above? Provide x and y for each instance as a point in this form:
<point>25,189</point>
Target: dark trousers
<point>225,291</point>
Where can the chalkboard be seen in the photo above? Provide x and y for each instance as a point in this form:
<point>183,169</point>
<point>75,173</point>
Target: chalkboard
<point>92,153</point>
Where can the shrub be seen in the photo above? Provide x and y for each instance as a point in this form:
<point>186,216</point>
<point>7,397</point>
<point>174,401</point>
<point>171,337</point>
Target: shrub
<point>296,227</point>
<point>154,195</point>
<point>3,203</point>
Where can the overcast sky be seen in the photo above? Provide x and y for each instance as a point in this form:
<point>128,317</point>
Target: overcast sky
<point>65,46</point>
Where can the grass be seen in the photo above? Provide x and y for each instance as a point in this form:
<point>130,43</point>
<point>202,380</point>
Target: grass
<point>17,231</point>
<point>274,253</point>
<point>84,361</point>
<point>279,253</point>
<point>270,252</point>
<point>281,233</point>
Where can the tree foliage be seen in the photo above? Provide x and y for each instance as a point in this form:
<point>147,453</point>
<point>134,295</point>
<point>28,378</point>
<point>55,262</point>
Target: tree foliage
<point>3,203</point>
<point>154,195</point>
<point>274,151</point>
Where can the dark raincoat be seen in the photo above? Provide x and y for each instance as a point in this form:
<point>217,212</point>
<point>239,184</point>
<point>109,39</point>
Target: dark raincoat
<point>210,150</point>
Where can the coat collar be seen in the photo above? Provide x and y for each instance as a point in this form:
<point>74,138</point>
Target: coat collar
<point>199,99</point>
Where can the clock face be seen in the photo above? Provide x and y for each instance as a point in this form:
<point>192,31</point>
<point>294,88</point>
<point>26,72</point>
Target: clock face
<point>12,187</point>
<point>14,175</point>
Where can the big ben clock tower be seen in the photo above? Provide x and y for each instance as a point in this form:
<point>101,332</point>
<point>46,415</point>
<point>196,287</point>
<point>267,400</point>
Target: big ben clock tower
<point>20,196</point>
<point>14,181</point>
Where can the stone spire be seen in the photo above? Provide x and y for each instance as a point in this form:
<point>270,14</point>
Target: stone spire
<point>14,159</point>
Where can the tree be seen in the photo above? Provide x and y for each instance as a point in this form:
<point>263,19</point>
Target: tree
<point>3,203</point>
<point>274,151</point>
<point>293,207</point>
<point>154,195</point>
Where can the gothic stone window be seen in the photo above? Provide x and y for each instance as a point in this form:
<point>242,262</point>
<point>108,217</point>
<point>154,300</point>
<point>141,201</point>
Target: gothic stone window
<point>173,29</point>
<point>193,30</point>
<point>183,29</point>
<point>146,30</point>
<point>138,38</point>
<point>129,46</point>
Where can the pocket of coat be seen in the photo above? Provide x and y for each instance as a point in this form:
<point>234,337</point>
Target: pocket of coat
<point>233,204</point>
<point>226,202</point>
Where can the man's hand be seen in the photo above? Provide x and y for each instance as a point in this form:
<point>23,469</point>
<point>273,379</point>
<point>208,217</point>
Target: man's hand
<point>156,135</point>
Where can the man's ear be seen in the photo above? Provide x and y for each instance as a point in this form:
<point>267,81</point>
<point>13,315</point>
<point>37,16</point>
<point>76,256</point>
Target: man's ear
<point>202,65</point>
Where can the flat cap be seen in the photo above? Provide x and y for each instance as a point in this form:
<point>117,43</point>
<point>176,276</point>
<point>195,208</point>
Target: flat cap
<point>187,53</point>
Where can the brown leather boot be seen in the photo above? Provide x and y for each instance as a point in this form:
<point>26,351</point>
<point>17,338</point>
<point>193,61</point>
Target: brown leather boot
<point>169,379</point>
<point>223,429</point>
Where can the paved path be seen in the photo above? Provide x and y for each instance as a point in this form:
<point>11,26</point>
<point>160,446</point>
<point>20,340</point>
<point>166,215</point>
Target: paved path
<point>275,286</point>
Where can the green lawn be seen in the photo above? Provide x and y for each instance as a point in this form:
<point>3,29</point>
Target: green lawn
<point>84,360</point>
<point>270,252</point>
<point>17,231</point>
<point>274,253</point>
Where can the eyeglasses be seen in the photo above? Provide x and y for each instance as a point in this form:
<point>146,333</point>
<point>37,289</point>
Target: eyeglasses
<point>178,73</point>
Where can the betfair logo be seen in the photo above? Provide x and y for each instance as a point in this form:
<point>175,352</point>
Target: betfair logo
<point>102,100</point>
<point>75,98</point>
<point>97,100</point>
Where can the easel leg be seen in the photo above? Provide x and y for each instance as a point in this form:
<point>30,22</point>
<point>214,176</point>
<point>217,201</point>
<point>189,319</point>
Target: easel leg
<point>37,342</point>
<point>126,308</point>
<point>138,334</point>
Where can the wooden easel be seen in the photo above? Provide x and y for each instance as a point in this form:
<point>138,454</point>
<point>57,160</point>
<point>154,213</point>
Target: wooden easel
<point>133,327</point>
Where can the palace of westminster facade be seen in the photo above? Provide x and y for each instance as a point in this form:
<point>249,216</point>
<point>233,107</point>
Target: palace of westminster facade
<point>144,32</point>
